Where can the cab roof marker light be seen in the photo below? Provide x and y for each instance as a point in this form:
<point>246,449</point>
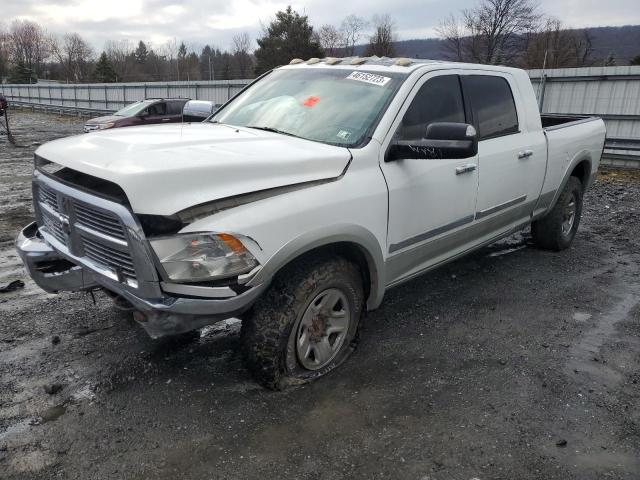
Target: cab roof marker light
<point>296,61</point>
<point>358,60</point>
<point>332,60</point>
<point>404,62</point>
<point>313,60</point>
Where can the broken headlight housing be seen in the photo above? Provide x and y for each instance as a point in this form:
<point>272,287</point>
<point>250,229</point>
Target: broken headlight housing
<point>199,257</point>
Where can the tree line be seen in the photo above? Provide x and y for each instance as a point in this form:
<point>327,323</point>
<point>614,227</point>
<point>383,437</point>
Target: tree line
<point>28,52</point>
<point>507,32</point>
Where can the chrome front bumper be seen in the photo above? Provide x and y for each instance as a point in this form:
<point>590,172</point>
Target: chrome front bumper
<point>48,268</point>
<point>160,315</point>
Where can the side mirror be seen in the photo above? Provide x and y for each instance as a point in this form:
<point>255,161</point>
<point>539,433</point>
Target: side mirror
<point>443,140</point>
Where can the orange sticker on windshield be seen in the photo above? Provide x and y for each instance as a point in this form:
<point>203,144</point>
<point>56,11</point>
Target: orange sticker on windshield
<point>311,101</point>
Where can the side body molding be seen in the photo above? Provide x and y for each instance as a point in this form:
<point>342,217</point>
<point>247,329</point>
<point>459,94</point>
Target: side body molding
<point>356,235</point>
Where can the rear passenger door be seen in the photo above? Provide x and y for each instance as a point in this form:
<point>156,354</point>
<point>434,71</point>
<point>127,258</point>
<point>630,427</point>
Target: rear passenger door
<point>174,110</point>
<point>512,161</point>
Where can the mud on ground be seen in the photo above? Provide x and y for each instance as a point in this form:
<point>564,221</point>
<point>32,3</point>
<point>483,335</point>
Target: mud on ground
<point>514,363</point>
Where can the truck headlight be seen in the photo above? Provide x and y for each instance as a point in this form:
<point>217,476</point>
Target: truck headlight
<point>200,257</point>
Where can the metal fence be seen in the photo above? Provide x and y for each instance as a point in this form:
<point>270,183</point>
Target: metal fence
<point>612,93</point>
<point>109,97</point>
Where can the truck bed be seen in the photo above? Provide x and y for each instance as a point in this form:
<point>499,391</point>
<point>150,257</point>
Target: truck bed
<point>551,121</point>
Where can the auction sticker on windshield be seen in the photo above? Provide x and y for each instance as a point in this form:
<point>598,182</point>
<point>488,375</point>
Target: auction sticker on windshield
<point>371,78</point>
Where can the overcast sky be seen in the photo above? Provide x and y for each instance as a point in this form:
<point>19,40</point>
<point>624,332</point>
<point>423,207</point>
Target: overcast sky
<point>199,22</point>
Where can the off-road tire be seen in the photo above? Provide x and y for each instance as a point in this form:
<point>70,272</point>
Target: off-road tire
<point>266,333</point>
<point>547,232</point>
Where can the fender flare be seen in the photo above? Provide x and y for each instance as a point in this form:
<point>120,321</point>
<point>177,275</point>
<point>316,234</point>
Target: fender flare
<point>582,156</point>
<point>357,235</point>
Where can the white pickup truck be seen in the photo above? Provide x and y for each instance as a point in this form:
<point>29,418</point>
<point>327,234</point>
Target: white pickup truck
<point>304,198</point>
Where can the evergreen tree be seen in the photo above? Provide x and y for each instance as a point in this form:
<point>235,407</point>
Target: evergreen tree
<point>104,71</point>
<point>141,52</point>
<point>207,63</point>
<point>182,51</point>
<point>635,60</point>
<point>21,74</point>
<point>289,36</point>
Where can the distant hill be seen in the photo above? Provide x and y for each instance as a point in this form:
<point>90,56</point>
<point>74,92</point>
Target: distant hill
<point>622,42</point>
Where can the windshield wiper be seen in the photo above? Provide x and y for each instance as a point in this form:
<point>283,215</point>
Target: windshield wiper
<point>272,129</point>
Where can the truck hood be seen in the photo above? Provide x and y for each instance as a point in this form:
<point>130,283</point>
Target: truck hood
<point>164,169</point>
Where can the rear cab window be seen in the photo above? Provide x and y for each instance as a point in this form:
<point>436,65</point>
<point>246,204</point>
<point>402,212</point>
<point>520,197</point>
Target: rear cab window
<point>493,105</point>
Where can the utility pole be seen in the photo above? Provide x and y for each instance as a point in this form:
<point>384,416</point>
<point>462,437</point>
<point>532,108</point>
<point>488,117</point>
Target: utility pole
<point>210,67</point>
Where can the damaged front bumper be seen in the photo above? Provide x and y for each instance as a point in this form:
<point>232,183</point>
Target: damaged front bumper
<point>51,272</point>
<point>160,314</point>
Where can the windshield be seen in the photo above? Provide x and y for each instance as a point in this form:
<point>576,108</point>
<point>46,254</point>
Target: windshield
<point>131,110</point>
<point>335,106</point>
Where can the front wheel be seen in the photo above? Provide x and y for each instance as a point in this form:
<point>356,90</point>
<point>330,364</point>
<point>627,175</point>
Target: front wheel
<point>306,324</point>
<point>558,228</point>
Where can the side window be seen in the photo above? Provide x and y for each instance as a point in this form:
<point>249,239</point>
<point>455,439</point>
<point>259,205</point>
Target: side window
<point>438,100</point>
<point>493,106</point>
<point>158,109</point>
<point>175,108</point>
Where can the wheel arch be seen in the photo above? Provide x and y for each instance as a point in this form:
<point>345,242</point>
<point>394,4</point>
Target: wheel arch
<point>350,241</point>
<point>581,167</point>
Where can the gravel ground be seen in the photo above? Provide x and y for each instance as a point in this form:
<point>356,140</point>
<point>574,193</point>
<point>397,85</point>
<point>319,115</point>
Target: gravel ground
<point>514,363</point>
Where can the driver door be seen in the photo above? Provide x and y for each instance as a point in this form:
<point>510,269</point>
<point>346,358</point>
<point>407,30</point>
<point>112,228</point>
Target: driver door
<point>431,202</point>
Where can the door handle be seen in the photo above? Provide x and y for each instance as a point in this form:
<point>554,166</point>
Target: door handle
<point>166,119</point>
<point>525,154</point>
<point>469,167</point>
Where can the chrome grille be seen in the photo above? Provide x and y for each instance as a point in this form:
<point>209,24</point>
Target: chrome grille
<point>94,234</point>
<point>98,220</point>
<point>48,197</point>
<point>101,254</point>
<point>54,226</point>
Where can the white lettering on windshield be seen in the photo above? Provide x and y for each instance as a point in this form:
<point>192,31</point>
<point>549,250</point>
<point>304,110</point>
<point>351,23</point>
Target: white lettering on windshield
<point>371,78</point>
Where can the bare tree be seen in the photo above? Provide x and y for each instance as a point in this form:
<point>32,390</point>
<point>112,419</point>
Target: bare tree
<point>582,45</point>
<point>29,45</point>
<point>548,46</point>
<point>4,52</point>
<point>383,38</point>
<point>241,56</point>
<point>351,29</point>
<point>170,50</point>
<point>73,54</point>
<point>491,32</point>
<point>554,46</point>
<point>452,31</point>
<point>121,55</point>
<point>330,39</point>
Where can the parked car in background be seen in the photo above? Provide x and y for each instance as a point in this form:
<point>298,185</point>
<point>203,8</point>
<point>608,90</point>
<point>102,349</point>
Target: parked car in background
<point>144,112</point>
<point>3,104</point>
<point>198,110</point>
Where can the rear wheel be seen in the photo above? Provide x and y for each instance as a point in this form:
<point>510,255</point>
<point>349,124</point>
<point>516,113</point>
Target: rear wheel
<point>557,230</point>
<point>306,324</point>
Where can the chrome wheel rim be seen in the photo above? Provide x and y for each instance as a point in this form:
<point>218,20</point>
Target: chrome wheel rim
<point>569,216</point>
<point>323,329</point>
